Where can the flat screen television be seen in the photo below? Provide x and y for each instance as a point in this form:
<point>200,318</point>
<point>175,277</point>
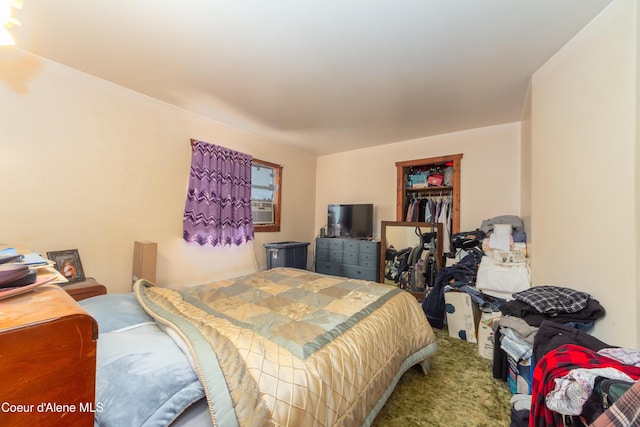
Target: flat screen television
<point>350,220</point>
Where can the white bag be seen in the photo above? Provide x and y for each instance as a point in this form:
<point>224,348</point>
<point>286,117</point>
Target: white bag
<point>502,280</point>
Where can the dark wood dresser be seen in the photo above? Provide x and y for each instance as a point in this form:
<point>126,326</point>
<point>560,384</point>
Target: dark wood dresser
<point>47,360</point>
<point>85,289</point>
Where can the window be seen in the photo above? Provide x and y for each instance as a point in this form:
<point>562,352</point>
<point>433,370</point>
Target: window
<point>266,186</point>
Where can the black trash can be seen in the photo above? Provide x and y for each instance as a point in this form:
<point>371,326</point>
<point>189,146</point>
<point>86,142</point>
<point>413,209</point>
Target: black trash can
<point>287,254</point>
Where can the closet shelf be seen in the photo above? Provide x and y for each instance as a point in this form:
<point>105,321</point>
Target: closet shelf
<point>442,188</point>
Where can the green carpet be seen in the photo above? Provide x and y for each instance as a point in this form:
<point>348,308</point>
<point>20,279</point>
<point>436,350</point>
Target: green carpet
<point>458,391</point>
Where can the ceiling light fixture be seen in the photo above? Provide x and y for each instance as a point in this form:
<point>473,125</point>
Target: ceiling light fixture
<point>7,21</point>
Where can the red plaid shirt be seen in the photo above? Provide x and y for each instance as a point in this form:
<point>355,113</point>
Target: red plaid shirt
<point>558,363</point>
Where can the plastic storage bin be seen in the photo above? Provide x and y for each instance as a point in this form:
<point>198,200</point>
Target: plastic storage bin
<point>287,254</point>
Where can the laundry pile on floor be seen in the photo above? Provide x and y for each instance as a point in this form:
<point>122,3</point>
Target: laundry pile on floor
<point>504,268</point>
<point>491,265</point>
<point>536,336</point>
<point>522,316</point>
<point>534,326</point>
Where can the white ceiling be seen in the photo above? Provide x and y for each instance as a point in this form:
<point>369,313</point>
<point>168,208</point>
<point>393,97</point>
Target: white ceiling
<point>323,76</point>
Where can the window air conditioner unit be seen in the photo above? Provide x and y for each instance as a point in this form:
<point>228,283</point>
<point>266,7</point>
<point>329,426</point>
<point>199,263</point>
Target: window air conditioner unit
<point>262,212</point>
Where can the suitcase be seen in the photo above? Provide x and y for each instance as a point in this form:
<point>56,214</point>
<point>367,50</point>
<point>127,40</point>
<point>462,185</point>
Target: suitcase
<point>605,392</point>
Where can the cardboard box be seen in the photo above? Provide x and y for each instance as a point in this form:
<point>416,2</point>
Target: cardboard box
<point>419,185</point>
<point>520,375</point>
<point>485,334</point>
<point>463,315</point>
<point>144,261</point>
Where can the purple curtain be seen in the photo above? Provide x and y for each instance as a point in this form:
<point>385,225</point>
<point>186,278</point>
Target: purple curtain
<point>218,206</point>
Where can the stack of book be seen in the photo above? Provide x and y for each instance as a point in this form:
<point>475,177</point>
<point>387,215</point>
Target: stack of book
<point>20,273</point>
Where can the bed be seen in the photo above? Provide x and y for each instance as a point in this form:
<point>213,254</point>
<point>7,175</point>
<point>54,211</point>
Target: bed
<point>279,347</point>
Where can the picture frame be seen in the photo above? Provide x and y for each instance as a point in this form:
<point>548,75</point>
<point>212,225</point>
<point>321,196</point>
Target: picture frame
<point>68,263</point>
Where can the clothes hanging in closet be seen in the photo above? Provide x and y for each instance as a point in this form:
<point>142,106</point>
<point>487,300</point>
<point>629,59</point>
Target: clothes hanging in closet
<point>432,209</point>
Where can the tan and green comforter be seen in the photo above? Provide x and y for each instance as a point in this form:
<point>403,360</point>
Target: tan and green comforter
<point>290,347</point>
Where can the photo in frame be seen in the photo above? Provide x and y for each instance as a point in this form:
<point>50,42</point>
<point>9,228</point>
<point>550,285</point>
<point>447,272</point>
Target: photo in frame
<point>68,264</point>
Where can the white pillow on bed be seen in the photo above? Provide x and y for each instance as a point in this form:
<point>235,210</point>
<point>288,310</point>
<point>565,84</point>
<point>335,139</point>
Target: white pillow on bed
<point>142,377</point>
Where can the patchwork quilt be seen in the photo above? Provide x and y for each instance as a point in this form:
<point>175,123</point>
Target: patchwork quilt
<point>292,347</point>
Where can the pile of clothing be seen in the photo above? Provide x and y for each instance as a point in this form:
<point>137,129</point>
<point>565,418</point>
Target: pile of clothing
<point>572,373</point>
<point>461,274</point>
<point>504,268</point>
<point>547,325</point>
<point>559,304</point>
<point>577,380</point>
<point>517,329</point>
<point>396,261</point>
<point>565,381</point>
<point>472,250</point>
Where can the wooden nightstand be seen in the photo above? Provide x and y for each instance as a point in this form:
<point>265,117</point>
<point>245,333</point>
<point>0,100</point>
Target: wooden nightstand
<point>86,289</point>
<point>47,360</point>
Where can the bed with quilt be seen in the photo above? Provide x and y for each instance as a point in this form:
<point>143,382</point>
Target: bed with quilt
<point>281,347</point>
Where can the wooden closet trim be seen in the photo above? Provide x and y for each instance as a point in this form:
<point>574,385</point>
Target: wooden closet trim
<point>455,193</point>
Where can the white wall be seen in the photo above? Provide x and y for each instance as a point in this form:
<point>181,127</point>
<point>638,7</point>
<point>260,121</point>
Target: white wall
<point>490,174</point>
<point>637,180</point>
<point>525,175</point>
<point>583,169</point>
<point>93,166</point>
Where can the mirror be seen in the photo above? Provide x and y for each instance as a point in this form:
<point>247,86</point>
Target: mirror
<point>399,238</point>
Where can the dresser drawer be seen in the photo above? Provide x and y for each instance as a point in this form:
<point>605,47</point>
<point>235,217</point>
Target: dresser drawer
<point>369,247</point>
<point>350,258</point>
<point>322,243</point>
<point>352,245</point>
<point>322,254</point>
<point>325,267</point>
<point>369,263</point>
<point>367,257</point>
<point>336,244</point>
<point>357,272</point>
<point>335,255</point>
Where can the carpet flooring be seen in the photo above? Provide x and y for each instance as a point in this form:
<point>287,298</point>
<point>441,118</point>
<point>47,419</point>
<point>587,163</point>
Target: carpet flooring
<point>458,391</point>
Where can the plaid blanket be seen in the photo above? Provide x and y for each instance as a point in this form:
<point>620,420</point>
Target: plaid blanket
<point>293,347</point>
